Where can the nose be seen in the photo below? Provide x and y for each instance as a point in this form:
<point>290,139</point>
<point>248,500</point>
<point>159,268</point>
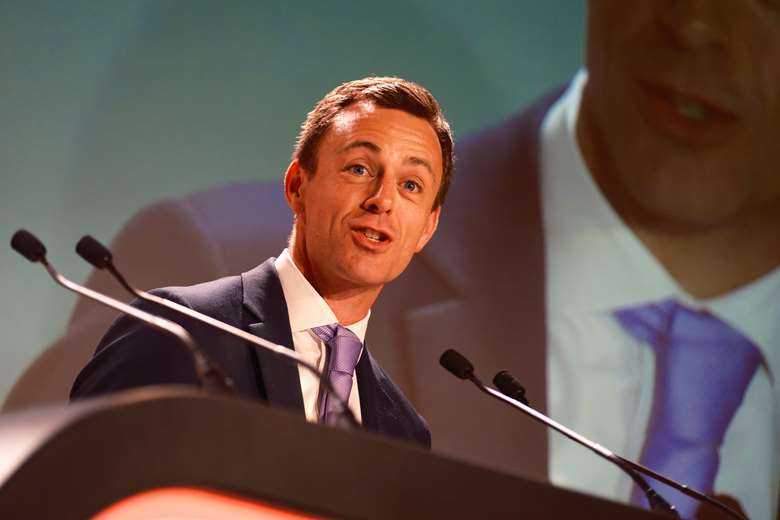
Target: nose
<point>381,196</point>
<point>696,24</point>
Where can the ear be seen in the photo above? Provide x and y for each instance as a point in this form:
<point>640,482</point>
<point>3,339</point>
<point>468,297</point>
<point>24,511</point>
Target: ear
<point>294,187</point>
<point>430,229</point>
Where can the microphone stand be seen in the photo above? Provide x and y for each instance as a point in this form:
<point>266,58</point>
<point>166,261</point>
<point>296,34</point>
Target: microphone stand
<point>507,384</point>
<point>460,367</point>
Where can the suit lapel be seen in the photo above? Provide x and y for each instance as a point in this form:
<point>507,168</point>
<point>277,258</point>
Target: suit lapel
<point>376,407</point>
<point>267,318</point>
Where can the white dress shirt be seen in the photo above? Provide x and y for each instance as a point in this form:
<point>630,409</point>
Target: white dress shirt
<point>307,310</point>
<point>600,379</point>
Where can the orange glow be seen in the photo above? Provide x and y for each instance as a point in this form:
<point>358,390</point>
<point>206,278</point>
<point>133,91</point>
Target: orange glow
<point>179,503</point>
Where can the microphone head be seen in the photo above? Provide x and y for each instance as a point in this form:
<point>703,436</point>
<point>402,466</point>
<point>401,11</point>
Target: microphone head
<point>510,387</point>
<point>28,245</point>
<point>456,364</point>
<point>93,252</point>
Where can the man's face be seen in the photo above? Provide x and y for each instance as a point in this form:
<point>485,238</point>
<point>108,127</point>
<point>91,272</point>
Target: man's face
<point>681,117</point>
<point>367,208</point>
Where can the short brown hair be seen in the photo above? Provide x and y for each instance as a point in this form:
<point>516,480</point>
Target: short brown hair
<point>385,92</point>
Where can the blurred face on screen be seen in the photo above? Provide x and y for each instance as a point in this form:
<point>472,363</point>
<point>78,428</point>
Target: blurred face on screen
<point>680,120</point>
<point>368,207</point>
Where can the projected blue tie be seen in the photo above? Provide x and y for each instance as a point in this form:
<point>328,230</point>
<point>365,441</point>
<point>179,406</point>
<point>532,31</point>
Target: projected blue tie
<point>702,370</point>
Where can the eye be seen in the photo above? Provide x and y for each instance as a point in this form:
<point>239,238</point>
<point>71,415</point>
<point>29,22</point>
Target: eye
<point>358,170</point>
<point>411,186</point>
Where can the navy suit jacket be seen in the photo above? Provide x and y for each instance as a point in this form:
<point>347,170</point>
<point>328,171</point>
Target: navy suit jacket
<point>132,354</point>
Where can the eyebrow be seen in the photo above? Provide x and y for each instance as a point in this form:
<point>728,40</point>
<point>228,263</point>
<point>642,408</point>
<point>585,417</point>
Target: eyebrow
<point>362,144</point>
<point>416,161</point>
<point>421,162</point>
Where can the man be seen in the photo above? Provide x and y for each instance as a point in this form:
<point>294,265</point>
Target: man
<point>368,177</point>
<point>570,212</point>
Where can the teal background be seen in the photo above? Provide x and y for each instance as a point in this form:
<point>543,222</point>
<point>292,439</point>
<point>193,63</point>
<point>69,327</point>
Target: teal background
<point>108,106</point>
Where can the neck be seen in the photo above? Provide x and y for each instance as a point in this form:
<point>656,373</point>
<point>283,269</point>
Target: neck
<point>706,261</point>
<point>716,261</point>
<point>350,308</point>
<point>350,304</point>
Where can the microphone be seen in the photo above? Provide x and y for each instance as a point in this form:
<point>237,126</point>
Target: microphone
<point>210,376</point>
<point>506,387</point>
<point>457,364</point>
<point>91,250</point>
<point>510,387</point>
<point>462,368</point>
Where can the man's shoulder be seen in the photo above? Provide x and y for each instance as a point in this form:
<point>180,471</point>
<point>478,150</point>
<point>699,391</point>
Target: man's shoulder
<point>131,354</point>
<point>222,295</point>
<point>206,297</point>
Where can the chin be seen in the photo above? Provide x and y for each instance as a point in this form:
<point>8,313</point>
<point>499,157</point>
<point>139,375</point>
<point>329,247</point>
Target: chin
<point>689,191</point>
<point>366,275</point>
<point>685,211</point>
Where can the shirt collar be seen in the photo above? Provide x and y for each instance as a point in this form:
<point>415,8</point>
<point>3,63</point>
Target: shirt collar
<point>596,264</point>
<point>306,308</point>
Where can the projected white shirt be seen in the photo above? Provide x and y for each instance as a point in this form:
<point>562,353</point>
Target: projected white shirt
<point>600,378</point>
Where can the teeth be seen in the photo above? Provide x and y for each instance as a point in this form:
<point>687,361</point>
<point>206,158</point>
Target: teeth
<point>686,107</point>
<point>372,235</point>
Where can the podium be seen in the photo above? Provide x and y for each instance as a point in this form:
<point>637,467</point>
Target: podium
<point>149,447</point>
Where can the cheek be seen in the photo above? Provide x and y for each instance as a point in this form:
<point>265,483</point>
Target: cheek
<point>327,223</point>
<point>416,240</point>
<point>315,219</point>
<point>765,161</point>
<point>769,92</point>
<point>610,22</point>
<point>758,65</point>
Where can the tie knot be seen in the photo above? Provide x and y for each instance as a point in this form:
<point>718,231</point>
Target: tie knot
<point>325,332</point>
<point>694,344</point>
<point>344,346</point>
<point>670,322</point>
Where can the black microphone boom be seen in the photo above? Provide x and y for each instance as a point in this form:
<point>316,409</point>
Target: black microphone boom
<point>28,245</point>
<point>91,250</point>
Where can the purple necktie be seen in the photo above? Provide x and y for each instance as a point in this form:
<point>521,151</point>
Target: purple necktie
<point>702,370</point>
<point>344,349</point>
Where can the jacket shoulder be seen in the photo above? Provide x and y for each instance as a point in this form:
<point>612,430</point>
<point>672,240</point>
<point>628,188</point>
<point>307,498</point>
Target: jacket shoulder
<point>502,140</point>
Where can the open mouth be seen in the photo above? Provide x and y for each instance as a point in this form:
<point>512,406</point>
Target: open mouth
<point>688,105</point>
<point>690,108</point>
<point>374,235</point>
<point>685,116</point>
